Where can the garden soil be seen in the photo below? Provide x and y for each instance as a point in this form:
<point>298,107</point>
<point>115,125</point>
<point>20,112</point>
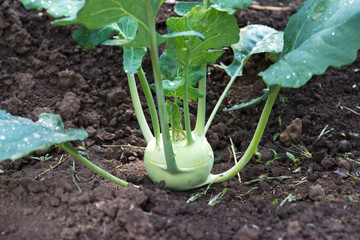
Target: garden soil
<point>43,70</point>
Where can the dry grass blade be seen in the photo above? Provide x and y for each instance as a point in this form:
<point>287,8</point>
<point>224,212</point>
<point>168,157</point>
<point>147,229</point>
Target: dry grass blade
<point>270,8</point>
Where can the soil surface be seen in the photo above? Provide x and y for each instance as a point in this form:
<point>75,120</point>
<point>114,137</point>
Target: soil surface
<point>42,70</point>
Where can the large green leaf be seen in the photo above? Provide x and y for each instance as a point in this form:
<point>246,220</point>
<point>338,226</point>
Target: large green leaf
<point>219,28</point>
<point>253,39</point>
<point>322,34</point>
<point>97,14</point>
<point>56,8</point>
<point>20,136</point>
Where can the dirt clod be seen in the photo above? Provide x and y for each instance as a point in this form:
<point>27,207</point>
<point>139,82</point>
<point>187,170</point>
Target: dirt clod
<point>316,193</point>
<point>344,146</point>
<point>247,233</point>
<point>342,163</point>
<point>69,106</point>
<point>293,228</point>
<point>291,133</point>
<point>328,162</point>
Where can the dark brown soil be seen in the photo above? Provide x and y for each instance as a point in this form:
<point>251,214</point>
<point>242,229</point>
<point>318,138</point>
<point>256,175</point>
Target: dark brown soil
<point>42,70</point>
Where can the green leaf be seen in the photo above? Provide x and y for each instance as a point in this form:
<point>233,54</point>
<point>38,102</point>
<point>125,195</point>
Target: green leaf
<point>56,8</point>
<point>90,38</point>
<point>230,5</point>
<point>133,59</point>
<point>125,29</point>
<point>253,39</point>
<point>97,14</point>
<point>171,86</point>
<point>322,34</point>
<point>182,8</point>
<point>168,67</point>
<point>219,29</point>
<point>20,136</point>
<point>173,80</point>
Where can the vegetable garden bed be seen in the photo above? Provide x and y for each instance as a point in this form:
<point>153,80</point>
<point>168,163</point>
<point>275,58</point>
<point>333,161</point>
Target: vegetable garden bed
<point>284,192</point>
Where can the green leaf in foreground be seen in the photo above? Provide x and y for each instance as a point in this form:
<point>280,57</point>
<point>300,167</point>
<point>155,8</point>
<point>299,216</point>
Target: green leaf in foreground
<point>20,136</point>
<point>254,39</point>
<point>56,8</point>
<point>322,34</point>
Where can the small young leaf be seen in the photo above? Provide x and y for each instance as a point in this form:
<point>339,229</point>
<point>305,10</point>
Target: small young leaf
<point>322,34</point>
<point>230,5</point>
<point>125,31</point>
<point>168,66</point>
<point>56,8</point>
<point>20,136</point>
<point>182,8</point>
<point>133,59</point>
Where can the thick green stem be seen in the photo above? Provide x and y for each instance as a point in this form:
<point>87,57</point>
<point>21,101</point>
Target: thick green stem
<point>164,124</point>
<point>151,104</point>
<point>70,149</point>
<point>217,106</point>
<point>253,144</point>
<point>138,109</point>
<point>201,106</point>
<point>189,139</point>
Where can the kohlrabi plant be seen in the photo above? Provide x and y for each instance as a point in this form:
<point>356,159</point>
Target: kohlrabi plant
<point>323,33</point>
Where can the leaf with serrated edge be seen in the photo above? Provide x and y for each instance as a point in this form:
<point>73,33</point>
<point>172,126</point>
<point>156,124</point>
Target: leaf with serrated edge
<point>322,34</point>
<point>219,28</point>
<point>20,136</point>
<point>254,39</point>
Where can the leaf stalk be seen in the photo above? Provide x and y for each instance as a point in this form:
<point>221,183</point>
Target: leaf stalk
<point>70,149</point>
<point>252,146</point>
<point>164,124</point>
